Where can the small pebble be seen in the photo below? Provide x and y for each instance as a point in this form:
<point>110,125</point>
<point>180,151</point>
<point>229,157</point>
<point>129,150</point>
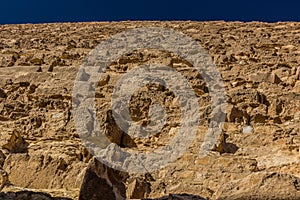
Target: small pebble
<point>247,129</point>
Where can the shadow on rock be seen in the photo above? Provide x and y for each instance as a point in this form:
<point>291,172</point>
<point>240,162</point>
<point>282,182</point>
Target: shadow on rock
<point>102,182</point>
<point>29,195</point>
<point>180,197</point>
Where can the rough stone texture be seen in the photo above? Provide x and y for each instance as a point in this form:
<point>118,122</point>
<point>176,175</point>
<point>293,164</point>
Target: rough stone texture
<point>265,182</point>
<point>102,182</point>
<point>28,195</point>
<point>259,63</point>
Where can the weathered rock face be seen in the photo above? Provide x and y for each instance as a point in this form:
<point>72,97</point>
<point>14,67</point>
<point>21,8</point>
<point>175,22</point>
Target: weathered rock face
<point>288,187</point>
<point>102,182</point>
<point>255,157</point>
<point>28,195</point>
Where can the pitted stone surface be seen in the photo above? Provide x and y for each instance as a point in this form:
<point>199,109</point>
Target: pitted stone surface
<point>42,152</point>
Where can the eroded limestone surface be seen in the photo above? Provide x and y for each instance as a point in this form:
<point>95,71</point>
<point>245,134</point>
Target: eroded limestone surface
<point>255,157</point>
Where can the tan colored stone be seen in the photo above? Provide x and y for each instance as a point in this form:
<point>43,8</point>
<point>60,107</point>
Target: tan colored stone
<point>3,178</point>
<point>258,63</point>
<point>261,186</point>
<point>12,141</point>
<point>297,87</point>
<point>265,77</point>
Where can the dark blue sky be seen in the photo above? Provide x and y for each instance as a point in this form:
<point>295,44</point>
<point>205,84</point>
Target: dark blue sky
<point>39,11</point>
